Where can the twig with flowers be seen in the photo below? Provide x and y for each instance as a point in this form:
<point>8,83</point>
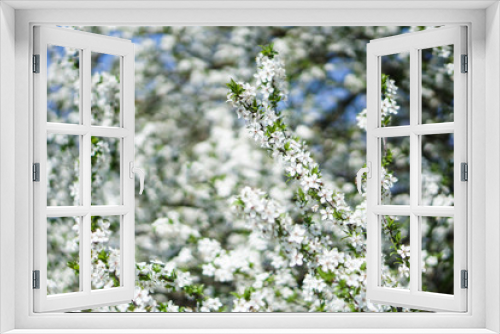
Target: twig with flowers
<point>308,243</point>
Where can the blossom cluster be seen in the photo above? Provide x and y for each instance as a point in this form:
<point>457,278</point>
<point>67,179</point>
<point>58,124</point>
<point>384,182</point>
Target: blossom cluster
<point>389,105</point>
<point>105,252</point>
<point>258,105</point>
<point>307,244</point>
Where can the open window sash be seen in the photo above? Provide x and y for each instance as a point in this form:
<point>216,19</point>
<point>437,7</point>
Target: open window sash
<point>85,294</point>
<point>414,296</point>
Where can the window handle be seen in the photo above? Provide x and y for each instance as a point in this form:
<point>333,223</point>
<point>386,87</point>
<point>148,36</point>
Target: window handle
<point>367,170</point>
<point>139,171</point>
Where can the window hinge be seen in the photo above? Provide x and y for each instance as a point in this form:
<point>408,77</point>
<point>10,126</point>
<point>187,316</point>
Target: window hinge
<point>36,63</point>
<point>465,279</point>
<point>36,172</point>
<point>465,64</point>
<point>36,279</point>
<point>464,171</point>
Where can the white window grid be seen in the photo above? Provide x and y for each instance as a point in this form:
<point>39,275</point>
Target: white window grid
<point>86,43</point>
<point>414,297</point>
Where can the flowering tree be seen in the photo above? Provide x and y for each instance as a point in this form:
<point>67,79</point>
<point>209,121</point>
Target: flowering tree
<point>295,237</point>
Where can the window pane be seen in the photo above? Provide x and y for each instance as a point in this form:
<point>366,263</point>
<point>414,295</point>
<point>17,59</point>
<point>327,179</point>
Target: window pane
<point>63,255</point>
<point>437,254</point>
<point>105,93</point>
<point>105,171</point>
<point>395,175</point>
<point>63,169</point>
<point>437,170</point>
<point>437,84</point>
<point>105,252</point>
<point>395,94</point>
<point>63,84</point>
<point>395,264</point>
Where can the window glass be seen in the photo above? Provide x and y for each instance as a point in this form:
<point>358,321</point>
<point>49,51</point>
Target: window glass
<point>395,93</point>
<point>437,254</point>
<point>105,171</point>
<point>395,171</point>
<point>438,170</point>
<point>63,255</point>
<point>63,170</point>
<point>106,90</point>
<point>437,90</point>
<point>63,84</point>
<point>105,252</point>
<point>395,266</point>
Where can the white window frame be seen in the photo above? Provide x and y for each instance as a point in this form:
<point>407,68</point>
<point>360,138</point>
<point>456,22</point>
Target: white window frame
<point>412,43</point>
<point>124,132</point>
<point>19,17</point>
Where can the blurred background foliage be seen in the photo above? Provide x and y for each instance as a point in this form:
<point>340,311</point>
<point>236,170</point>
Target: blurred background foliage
<point>197,155</point>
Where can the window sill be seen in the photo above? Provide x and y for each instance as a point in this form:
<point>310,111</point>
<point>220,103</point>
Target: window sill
<point>250,331</point>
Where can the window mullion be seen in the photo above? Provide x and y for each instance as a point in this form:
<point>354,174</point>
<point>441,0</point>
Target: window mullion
<point>66,211</point>
<point>87,171</point>
<point>406,210</point>
<point>81,130</point>
<point>373,183</point>
<point>393,131</point>
<point>66,129</point>
<point>109,210</point>
<point>111,132</point>
<point>433,129</point>
<point>82,237</point>
<point>95,210</point>
<point>414,170</point>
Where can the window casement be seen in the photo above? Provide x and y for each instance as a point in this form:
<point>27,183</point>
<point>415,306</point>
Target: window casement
<point>78,125</point>
<point>447,141</point>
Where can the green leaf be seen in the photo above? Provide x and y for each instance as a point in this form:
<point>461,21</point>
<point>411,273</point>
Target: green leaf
<point>328,277</point>
<point>75,265</point>
<point>248,293</point>
<point>302,195</point>
<point>268,50</point>
<point>235,88</point>
<point>192,239</point>
<point>292,298</point>
<point>156,267</point>
<point>162,307</point>
<point>315,170</point>
<point>237,295</point>
<point>363,266</point>
<point>194,290</point>
<point>103,256</point>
